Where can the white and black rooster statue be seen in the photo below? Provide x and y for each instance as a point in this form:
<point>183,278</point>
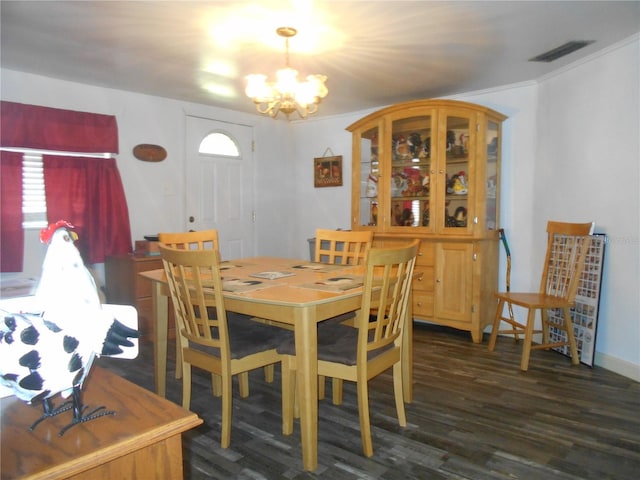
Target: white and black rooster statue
<point>49,345</point>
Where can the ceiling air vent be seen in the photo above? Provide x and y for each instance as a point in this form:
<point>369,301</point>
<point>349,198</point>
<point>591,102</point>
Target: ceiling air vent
<point>561,51</point>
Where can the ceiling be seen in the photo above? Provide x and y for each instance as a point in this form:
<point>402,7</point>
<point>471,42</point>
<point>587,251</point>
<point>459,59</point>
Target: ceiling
<point>374,52</point>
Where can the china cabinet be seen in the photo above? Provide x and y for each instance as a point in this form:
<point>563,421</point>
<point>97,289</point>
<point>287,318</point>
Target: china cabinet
<point>430,169</point>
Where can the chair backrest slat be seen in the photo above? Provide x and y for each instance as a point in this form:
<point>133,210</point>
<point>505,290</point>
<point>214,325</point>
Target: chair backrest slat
<point>342,247</point>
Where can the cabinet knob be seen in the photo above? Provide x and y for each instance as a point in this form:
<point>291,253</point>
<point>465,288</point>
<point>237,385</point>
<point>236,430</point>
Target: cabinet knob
<point>437,280</point>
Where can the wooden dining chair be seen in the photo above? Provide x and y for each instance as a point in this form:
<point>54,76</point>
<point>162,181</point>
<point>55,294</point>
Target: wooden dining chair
<point>567,246</point>
<point>220,342</point>
<point>202,240</point>
<point>340,247</point>
<point>194,240</point>
<point>372,347</point>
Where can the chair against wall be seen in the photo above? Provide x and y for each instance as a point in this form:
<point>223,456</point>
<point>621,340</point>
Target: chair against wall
<point>567,246</point>
<point>223,343</point>
<point>372,347</point>
<point>340,247</point>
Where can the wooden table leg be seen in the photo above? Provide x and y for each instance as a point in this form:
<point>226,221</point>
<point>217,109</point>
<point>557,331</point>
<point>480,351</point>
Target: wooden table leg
<point>306,337</point>
<point>160,314</point>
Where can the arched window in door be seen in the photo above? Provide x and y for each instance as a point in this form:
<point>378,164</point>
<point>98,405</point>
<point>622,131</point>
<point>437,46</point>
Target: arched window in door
<point>218,143</point>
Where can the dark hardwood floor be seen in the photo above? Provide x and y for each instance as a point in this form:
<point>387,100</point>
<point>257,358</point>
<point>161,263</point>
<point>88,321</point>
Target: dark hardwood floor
<point>475,416</point>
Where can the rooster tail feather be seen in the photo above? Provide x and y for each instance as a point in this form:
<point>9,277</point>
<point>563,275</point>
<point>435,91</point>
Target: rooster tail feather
<point>118,336</point>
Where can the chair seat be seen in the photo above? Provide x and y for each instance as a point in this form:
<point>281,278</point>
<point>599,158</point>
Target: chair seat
<point>336,343</point>
<point>247,337</point>
<point>533,300</point>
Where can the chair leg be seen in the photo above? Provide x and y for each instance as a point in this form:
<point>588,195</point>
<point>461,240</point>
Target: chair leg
<point>365,421</point>
<point>178,358</point>
<point>243,382</point>
<point>186,385</point>
<point>496,325</point>
<point>397,390</point>
<point>216,383</point>
<point>575,358</point>
<point>227,395</point>
<point>528,339</point>
<point>269,373</point>
<point>288,394</point>
<point>337,384</point>
<point>321,387</point>
<point>545,326</point>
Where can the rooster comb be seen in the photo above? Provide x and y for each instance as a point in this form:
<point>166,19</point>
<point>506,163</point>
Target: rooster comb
<point>47,233</point>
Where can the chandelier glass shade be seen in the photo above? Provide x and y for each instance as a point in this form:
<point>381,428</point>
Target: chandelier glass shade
<point>286,94</point>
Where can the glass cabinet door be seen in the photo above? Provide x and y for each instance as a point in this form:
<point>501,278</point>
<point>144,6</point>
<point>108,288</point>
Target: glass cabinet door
<point>492,169</point>
<point>410,179</point>
<point>369,174</point>
<point>457,173</point>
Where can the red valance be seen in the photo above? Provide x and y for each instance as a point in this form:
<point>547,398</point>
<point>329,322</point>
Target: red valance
<point>33,126</point>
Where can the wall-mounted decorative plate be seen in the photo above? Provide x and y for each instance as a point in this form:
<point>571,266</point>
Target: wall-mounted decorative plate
<point>149,153</point>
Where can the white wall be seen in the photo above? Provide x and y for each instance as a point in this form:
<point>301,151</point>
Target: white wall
<point>570,152</point>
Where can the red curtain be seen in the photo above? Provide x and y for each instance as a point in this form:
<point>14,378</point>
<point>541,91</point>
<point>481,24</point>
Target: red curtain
<point>11,234</point>
<point>88,193</point>
<point>33,126</point>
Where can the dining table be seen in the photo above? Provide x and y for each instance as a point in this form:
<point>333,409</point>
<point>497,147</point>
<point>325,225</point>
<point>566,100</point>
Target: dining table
<point>296,294</point>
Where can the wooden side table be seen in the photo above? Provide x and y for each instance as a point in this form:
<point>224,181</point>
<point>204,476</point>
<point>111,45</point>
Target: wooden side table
<point>142,440</point>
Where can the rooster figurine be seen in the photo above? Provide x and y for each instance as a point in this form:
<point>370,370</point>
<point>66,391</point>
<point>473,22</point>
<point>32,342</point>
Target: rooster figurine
<point>50,345</point>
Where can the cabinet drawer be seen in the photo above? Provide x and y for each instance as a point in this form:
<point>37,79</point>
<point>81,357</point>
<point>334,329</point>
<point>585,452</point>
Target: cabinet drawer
<point>146,321</point>
<point>142,287</point>
<point>422,304</point>
<point>145,316</point>
<point>424,279</point>
<point>426,254</point>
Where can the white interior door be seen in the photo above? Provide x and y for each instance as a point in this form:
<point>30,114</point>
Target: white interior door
<point>220,187</point>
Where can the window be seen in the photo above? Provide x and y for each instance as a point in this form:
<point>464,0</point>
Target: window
<point>218,143</point>
<point>34,203</point>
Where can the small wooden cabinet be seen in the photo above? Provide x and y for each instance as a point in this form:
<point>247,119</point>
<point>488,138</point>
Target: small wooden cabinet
<point>142,440</point>
<point>430,169</point>
<point>124,286</point>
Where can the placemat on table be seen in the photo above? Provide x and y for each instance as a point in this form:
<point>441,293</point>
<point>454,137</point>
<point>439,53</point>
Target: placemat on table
<point>335,284</point>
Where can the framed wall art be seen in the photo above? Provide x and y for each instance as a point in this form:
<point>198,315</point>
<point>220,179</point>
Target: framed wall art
<point>327,171</point>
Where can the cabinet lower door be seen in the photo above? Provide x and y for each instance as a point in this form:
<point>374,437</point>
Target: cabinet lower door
<point>454,277</point>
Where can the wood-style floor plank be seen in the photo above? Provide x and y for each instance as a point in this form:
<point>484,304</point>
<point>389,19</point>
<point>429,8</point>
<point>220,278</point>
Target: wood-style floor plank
<point>475,416</point>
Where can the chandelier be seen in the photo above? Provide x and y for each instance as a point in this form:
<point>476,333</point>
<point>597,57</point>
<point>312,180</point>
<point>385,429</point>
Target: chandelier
<point>286,94</point>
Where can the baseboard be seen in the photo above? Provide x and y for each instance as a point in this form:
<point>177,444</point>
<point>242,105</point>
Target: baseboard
<point>621,367</point>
